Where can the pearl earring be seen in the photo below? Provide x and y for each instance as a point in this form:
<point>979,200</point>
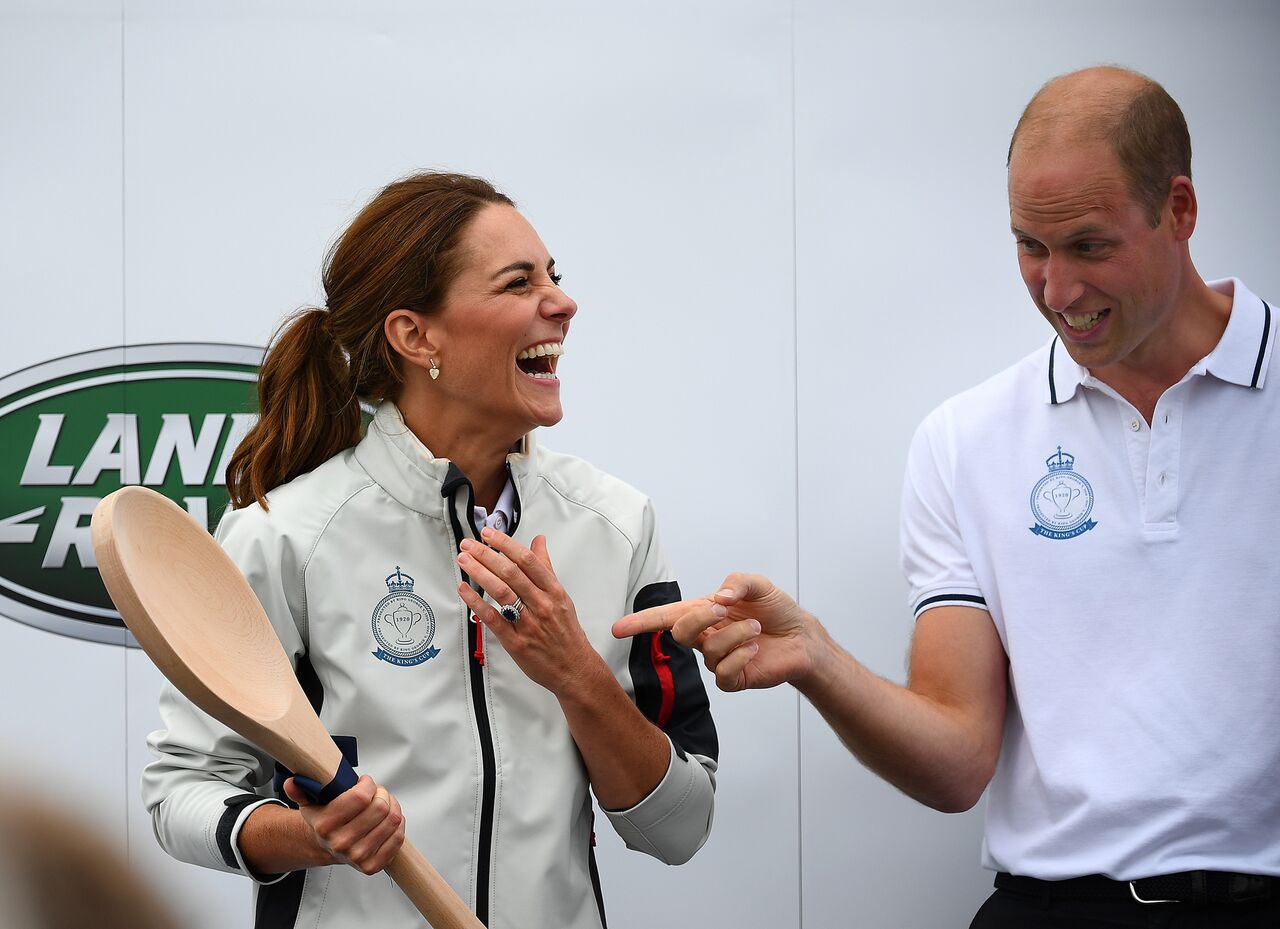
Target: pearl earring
<point>435,372</point>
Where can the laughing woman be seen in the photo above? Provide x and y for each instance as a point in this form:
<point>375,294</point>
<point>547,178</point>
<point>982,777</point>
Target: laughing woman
<point>445,590</point>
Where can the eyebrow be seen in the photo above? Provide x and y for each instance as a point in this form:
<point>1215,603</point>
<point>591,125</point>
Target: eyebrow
<point>1080,232</point>
<point>525,266</point>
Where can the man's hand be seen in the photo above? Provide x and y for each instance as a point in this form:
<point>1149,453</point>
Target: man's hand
<point>750,633</point>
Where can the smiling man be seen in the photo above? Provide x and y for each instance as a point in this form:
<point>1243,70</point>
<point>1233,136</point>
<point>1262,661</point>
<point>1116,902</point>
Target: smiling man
<point>1088,538</point>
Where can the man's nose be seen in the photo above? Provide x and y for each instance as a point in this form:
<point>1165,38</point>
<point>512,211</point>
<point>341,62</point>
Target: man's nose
<point>1062,285</point>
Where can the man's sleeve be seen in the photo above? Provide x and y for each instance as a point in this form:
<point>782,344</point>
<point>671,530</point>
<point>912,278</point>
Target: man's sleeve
<point>934,559</point>
<point>674,821</point>
<point>206,779</point>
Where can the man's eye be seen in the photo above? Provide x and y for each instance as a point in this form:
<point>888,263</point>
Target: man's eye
<point>1027,245</point>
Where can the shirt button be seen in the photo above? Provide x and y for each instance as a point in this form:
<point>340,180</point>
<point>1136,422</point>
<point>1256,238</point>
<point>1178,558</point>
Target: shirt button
<point>1135,425</point>
<point>1161,478</point>
<point>500,522</point>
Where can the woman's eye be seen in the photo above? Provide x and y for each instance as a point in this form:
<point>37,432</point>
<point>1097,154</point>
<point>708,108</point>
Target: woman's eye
<point>556,278</point>
<point>519,283</point>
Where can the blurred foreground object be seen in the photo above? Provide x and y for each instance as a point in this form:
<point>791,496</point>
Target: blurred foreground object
<point>58,873</point>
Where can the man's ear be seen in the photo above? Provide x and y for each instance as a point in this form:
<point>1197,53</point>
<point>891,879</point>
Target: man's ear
<point>412,336</point>
<point>1182,205</point>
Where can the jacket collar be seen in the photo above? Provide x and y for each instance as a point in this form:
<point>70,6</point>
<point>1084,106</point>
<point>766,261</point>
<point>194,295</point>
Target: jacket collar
<point>406,469</point>
<point>1240,357</point>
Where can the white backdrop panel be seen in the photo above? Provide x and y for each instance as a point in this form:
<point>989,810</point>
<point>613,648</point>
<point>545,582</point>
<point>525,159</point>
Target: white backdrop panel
<point>60,293</point>
<point>191,163</point>
<point>60,235</point>
<point>908,292</point>
<point>253,135</point>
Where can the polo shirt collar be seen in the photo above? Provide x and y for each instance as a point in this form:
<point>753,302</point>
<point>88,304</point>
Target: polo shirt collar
<point>1063,376</point>
<point>1242,354</point>
<point>1240,357</point>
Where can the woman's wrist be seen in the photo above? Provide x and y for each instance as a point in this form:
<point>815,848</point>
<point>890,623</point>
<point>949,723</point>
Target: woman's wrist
<point>274,839</point>
<point>587,678</point>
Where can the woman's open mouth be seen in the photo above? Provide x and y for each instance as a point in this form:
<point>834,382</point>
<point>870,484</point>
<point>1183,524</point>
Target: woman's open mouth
<point>539,361</point>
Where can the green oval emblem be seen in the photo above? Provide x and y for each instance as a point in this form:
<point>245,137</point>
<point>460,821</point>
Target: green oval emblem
<point>167,416</point>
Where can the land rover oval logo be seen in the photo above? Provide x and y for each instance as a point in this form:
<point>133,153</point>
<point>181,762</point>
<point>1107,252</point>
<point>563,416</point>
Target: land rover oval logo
<point>167,416</point>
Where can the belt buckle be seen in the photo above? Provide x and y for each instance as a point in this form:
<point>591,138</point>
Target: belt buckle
<point>1133,890</point>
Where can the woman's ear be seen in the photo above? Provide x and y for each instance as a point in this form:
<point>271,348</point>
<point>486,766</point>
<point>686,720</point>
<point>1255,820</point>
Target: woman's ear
<point>412,336</point>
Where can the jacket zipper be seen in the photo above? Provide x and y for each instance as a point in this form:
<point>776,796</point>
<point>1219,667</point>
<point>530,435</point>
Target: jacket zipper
<point>475,675</point>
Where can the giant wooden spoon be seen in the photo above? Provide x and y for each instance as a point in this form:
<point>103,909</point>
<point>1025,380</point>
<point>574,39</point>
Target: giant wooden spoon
<point>192,611</point>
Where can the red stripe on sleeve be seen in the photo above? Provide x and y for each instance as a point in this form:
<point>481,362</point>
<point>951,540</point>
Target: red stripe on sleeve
<point>665,681</point>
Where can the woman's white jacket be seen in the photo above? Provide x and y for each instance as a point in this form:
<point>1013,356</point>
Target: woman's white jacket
<point>354,563</point>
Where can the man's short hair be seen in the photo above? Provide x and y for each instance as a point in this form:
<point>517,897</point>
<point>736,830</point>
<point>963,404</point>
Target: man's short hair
<point>1146,131</point>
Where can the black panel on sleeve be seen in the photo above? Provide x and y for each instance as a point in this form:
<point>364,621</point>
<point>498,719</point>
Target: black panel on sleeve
<point>688,724</point>
<point>227,824</point>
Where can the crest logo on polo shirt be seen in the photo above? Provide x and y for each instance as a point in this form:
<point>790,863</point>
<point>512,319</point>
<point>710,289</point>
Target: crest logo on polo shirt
<point>1062,500</point>
<point>403,624</point>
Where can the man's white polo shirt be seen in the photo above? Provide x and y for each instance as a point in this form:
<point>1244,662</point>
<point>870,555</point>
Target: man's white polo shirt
<point>1131,572</point>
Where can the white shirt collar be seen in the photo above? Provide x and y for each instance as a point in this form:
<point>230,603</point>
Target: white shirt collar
<point>503,511</point>
<point>1240,357</point>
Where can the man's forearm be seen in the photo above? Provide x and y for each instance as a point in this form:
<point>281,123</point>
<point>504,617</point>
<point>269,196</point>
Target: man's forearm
<point>927,749</point>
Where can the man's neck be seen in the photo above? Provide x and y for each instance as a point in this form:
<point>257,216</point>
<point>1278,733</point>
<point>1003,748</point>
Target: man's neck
<point>1143,377</point>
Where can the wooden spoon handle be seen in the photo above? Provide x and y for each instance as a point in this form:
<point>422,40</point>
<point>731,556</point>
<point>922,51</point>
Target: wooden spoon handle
<point>433,897</point>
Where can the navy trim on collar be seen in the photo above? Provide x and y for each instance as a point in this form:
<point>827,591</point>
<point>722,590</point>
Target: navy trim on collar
<point>1053,388</point>
<point>1262,349</point>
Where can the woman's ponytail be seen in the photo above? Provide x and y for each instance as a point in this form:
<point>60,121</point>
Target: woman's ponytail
<point>307,410</point>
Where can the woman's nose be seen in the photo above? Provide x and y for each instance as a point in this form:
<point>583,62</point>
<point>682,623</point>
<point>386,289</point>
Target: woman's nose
<point>559,305</point>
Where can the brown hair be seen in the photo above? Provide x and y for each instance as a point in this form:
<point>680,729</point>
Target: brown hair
<point>400,251</point>
<point>1141,124</point>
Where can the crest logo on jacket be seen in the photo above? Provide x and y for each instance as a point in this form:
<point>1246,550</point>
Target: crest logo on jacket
<point>1062,500</point>
<point>403,624</point>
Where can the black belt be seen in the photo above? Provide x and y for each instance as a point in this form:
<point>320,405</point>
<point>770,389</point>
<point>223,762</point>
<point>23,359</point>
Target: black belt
<point>1194,887</point>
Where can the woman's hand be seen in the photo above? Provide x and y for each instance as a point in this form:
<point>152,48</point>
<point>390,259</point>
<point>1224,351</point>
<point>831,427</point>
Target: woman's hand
<point>547,641</point>
<point>362,827</point>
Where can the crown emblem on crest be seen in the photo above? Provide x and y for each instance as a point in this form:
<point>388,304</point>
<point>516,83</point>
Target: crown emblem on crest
<point>1063,461</point>
<point>399,582</point>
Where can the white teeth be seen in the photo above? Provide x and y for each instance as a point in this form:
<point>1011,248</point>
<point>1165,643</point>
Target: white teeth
<point>543,377</point>
<point>1083,321</point>
<point>542,350</point>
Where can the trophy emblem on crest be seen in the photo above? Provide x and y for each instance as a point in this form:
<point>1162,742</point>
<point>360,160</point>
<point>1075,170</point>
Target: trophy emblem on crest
<point>403,624</point>
<point>1062,500</point>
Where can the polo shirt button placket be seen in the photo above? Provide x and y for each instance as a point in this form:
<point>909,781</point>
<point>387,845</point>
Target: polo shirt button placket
<point>1165,451</point>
